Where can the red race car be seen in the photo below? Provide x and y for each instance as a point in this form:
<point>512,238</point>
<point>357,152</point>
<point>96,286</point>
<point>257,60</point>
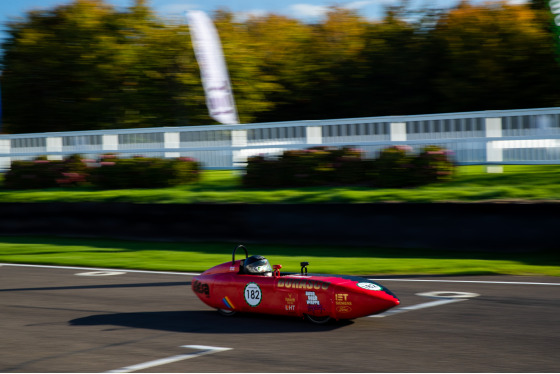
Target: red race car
<point>252,285</point>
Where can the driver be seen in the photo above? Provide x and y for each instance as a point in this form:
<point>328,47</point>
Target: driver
<point>258,265</point>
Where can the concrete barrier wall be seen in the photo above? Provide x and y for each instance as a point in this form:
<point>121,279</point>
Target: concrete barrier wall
<point>495,226</point>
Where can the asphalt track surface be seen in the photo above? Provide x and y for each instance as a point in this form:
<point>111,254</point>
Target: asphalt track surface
<point>62,320</point>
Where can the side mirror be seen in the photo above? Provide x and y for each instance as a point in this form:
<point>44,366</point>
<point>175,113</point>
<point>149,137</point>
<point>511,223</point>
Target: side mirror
<point>276,269</point>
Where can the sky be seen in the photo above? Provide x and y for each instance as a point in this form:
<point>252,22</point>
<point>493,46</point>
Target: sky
<point>306,10</point>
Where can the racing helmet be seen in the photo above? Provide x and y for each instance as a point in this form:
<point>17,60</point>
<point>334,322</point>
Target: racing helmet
<point>258,265</point>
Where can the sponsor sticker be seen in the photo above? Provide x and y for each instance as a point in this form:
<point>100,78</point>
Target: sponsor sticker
<point>290,303</point>
<point>316,309</point>
<point>201,288</point>
<point>312,298</point>
<point>290,299</point>
<point>302,284</point>
<point>343,309</point>
<point>313,304</point>
<point>227,302</point>
<point>253,294</point>
<point>342,299</point>
<point>370,286</point>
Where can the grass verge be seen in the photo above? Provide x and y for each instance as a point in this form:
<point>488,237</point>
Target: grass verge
<point>472,183</point>
<point>197,257</point>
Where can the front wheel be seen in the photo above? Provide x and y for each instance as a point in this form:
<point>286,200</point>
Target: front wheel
<point>319,320</point>
<point>226,312</point>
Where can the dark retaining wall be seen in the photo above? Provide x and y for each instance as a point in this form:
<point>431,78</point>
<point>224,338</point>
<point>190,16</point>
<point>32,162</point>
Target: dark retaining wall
<point>497,226</point>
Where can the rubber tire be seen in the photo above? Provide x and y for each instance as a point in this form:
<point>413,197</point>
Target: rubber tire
<point>318,320</point>
<point>226,312</point>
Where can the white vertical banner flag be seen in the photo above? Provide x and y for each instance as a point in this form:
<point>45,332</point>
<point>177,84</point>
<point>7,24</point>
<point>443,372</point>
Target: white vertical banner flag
<point>213,70</point>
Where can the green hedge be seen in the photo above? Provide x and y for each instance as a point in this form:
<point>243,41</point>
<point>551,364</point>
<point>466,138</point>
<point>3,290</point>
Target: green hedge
<point>143,172</point>
<point>433,164</point>
<point>43,173</point>
<point>316,166</point>
<point>109,172</point>
<point>395,167</point>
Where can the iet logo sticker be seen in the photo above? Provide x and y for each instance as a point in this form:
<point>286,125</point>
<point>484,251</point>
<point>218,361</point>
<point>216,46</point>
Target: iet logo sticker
<point>342,299</point>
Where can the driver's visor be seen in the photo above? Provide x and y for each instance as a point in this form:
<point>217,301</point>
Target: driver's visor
<point>261,266</point>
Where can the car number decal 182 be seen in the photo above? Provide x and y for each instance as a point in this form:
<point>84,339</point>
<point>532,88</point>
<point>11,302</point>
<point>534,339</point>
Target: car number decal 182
<point>253,294</point>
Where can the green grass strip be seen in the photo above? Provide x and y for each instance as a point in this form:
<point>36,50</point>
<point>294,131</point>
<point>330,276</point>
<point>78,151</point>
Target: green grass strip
<point>197,257</point>
<point>472,183</point>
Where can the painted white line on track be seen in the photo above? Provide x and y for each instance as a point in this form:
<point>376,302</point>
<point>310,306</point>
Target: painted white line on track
<point>100,273</point>
<point>448,294</point>
<point>463,281</point>
<point>203,350</point>
<point>100,269</point>
<point>373,279</point>
<point>429,304</point>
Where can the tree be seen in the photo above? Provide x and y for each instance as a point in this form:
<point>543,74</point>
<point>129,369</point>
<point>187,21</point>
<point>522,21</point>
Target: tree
<point>549,12</point>
<point>87,66</point>
<point>47,59</point>
<point>495,57</point>
<point>398,64</point>
<point>338,79</point>
<point>250,84</point>
<point>315,65</point>
<point>284,58</point>
<point>539,4</point>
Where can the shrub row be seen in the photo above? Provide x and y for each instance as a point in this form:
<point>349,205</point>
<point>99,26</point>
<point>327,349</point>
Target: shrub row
<point>394,167</point>
<point>109,172</point>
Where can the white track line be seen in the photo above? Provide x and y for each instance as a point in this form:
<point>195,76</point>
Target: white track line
<point>463,281</point>
<point>374,279</point>
<point>429,304</point>
<point>204,350</point>
<point>99,269</point>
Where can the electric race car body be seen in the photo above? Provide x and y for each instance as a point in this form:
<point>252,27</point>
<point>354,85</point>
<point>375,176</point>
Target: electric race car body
<point>231,288</point>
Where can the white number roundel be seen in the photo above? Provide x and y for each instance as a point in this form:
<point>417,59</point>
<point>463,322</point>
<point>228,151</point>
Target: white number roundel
<point>253,294</point>
<point>369,286</point>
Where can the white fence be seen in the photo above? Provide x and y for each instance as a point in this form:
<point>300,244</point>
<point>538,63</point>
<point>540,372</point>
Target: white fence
<point>529,136</point>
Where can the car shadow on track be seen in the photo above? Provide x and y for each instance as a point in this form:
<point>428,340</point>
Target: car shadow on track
<point>206,322</point>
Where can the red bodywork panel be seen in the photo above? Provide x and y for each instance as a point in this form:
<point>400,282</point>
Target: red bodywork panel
<point>337,296</point>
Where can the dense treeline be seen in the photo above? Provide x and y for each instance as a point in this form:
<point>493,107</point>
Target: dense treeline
<point>87,65</point>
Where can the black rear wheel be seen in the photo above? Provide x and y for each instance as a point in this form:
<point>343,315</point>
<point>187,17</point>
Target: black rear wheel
<point>319,320</point>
